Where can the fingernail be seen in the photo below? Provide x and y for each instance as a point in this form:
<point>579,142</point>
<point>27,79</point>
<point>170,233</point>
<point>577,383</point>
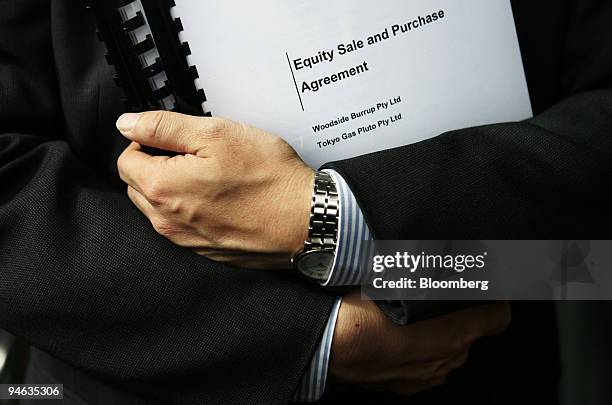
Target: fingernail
<point>127,122</point>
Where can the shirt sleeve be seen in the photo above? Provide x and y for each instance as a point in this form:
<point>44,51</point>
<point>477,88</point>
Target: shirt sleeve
<point>352,232</point>
<point>313,382</point>
<point>346,271</point>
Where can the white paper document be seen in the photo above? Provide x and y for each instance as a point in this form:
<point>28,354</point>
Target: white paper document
<point>342,78</point>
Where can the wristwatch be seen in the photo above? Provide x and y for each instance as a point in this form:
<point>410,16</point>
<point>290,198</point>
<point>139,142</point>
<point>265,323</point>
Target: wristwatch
<point>316,260</point>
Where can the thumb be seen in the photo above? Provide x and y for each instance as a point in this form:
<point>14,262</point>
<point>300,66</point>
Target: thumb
<point>167,130</point>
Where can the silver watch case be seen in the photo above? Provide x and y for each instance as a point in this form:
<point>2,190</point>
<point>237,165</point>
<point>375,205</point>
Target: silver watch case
<point>314,264</point>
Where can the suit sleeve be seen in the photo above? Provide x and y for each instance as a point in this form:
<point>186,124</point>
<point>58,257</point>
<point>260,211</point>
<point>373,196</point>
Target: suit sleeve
<point>84,277</point>
<point>547,177</point>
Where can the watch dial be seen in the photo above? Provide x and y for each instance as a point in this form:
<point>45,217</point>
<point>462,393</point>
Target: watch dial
<point>316,264</point>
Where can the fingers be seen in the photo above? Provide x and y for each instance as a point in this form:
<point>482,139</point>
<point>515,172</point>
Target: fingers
<point>144,173</point>
<point>446,336</point>
<point>443,369</point>
<point>140,202</point>
<point>406,359</point>
<point>411,380</point>
<point>134,166</point>
<point>432,371</point>
<point>145,206</point>
<point>172,131</point>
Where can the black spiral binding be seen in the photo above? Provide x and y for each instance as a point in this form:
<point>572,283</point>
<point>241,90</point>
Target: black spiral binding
<point>124,55</point>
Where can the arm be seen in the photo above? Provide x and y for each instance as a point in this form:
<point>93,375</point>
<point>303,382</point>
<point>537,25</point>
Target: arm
<point>85,278</point>
<point>348,270</point>
<point>251,174</point>
<point>314,381</point>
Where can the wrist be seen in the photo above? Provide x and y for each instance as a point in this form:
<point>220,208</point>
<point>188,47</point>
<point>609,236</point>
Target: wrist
<point>304,179</point>
<point>349,336</point>
<point>315,260</point>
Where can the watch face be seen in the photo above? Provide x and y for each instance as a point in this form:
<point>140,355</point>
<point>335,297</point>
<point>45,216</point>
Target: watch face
<point>316,264</point>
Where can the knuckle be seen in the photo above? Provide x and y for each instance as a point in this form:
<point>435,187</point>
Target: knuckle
<point>162,226</point>
<point>175,207</point>
<point>152,123</point>
<point>155,190</point>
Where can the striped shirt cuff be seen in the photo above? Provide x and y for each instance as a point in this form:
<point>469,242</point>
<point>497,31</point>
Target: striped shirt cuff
<point>313,383</point>
<point>346,271</point>
<point>352,231</point>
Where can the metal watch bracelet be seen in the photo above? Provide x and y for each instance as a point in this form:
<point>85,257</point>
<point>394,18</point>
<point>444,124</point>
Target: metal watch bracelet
<point>324,218</point>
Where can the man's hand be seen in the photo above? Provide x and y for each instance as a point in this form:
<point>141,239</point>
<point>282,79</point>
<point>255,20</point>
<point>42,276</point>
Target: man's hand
<point>370,350</point>
<point>233,193</point>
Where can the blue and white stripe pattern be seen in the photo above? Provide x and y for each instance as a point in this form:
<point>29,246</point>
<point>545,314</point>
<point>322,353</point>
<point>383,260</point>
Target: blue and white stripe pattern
<point>346,270</point>
<point>353,230</point>
<point>313,383</point>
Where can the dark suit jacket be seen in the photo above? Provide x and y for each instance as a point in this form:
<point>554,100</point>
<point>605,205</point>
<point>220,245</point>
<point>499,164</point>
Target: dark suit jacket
<point>86,279</point>
<point>83,275</point>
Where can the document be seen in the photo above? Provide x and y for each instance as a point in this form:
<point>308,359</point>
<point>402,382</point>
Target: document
<point>342,78</point>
